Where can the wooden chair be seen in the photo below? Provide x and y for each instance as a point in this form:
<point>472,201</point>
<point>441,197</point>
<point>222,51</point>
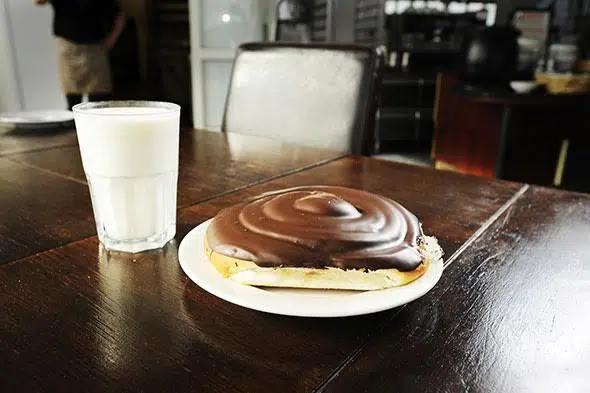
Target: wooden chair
<point>320,95</point>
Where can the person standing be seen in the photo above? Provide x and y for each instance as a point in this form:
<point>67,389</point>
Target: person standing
<point>85,31</point>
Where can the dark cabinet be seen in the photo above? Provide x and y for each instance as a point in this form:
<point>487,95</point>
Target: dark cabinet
<point>406,108</point>
<point>170,66</point>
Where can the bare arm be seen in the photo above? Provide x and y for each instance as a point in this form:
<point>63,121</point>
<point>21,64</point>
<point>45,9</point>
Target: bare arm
<point>118,26</point>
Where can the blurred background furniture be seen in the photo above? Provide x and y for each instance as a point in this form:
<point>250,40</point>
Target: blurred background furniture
<point>292,19</point>
<point>535,138</point>
<point>315,94</point>
<point>421,41</point>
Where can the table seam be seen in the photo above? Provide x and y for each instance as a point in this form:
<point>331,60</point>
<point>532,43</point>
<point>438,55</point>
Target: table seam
<point>257,182</point>
<point>487,224</point>
<point>17,152</point>
<point>44,170</point>
<point>353,356</point>
<point>261,181</point>
<point>180,208</point>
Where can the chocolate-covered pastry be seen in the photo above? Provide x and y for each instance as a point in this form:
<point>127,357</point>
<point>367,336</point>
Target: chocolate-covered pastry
<point>320,237</point>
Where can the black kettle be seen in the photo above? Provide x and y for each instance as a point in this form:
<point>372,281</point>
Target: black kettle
<point>489,56</point>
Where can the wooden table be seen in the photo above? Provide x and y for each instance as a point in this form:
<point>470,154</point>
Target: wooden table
<point>510,313</point>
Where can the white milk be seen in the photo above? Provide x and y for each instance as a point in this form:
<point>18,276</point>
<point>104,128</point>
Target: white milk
<point>123,142</point>
<point>130,157</point>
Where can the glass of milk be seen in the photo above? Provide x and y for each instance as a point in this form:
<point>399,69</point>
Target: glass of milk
<point>130,153</point>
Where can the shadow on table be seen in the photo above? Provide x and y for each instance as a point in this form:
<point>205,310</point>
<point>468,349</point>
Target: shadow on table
<point>64,128</point>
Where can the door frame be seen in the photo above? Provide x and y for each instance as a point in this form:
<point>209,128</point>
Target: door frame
<point>199,55</point>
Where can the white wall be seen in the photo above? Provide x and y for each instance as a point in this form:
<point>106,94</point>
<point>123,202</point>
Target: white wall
<point>9,92</point>
<point>28,29</point>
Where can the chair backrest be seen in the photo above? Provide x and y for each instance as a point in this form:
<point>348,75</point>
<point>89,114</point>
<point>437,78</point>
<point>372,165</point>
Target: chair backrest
<point>320,95</point>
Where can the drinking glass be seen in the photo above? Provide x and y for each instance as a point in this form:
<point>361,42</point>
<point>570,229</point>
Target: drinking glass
<point>129,152</point>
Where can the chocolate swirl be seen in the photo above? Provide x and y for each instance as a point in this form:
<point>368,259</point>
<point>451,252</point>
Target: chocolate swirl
<point>319,226</point>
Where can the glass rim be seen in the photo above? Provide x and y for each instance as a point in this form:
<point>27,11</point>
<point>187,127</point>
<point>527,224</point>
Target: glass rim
<point>167,107</point>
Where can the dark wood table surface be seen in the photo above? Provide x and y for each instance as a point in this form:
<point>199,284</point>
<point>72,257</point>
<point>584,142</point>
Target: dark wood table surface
<point>42,183</point>
<point>510,313</point>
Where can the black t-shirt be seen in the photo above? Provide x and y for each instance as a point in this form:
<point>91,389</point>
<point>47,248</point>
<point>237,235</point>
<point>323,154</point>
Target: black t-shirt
<point>84,21</point>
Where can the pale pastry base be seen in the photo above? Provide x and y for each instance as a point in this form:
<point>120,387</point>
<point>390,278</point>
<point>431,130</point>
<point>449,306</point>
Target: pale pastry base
<point>247,272</point>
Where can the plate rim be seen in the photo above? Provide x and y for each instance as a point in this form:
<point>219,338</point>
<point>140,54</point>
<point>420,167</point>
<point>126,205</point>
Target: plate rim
<point>291,304</point>
<point>66,116</point>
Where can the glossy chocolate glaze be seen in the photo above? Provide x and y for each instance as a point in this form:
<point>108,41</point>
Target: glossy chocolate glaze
<point>319,226</point>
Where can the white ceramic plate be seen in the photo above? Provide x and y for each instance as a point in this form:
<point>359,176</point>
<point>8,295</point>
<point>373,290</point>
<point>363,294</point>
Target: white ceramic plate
<point>295,302</point>
<point>36,119</point>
